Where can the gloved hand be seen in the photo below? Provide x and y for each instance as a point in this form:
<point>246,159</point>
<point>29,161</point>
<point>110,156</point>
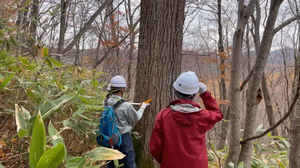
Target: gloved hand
<point>202,88</point>
<point>144,105</point>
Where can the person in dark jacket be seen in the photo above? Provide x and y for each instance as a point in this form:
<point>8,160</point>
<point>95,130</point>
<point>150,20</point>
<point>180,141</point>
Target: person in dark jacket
<point>178,137</point>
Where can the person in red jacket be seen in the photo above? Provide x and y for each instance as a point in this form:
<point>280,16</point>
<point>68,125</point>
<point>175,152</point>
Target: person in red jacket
<point>178,137</point>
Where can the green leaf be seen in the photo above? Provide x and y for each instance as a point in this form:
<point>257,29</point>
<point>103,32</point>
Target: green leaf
<point>48,62</point>
<point>20,80</point>
<point>1,166</point>
<point>38,142</point>
<point>96,166</point>
<point>31,94</point>
<point>55,10</point>
<point>56,104</point>
<point>259,128</point>
<point>231,165</point>
<point>269,134</point>
<point>66,123</point>
<point>83,116</point>
<point>45,52</point>
<point>13,40</point>
<point>277,137</point>
<point>79,111</point>
<point>22,120</point>
<point>90,123</point>
<point>11,111</point>
<point>24,60</point>
<point>102,153</point>
<point>53,157</point>
<point>56,138</point>
<point>1,33</point>
<point>61,87</point>
<point>75,162</point>
<point>55,62</point>
<point>241,165</point>
<point>95,107</point>
<point>287,144</point>
<point>6,81</point>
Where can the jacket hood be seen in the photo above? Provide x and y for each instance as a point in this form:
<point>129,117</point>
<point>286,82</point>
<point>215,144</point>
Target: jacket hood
<point>186,112</point>
<point>113,100</point>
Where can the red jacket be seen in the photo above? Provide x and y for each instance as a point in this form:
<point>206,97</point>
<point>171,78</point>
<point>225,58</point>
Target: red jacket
<point>178,138</point>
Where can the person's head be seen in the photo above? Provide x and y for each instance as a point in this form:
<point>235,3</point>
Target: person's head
<point>117,85</point>
<point>186,85</point>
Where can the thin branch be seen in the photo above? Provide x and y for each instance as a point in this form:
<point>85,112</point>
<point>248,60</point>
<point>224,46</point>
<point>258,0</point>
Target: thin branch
<point>285,23</point>
<point>291,109</point>
<point>246,80</point>
<point>86,26</point>
<point>106,53</point>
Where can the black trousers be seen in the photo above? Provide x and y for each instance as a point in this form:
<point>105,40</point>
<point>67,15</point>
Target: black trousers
<point>127,149</point>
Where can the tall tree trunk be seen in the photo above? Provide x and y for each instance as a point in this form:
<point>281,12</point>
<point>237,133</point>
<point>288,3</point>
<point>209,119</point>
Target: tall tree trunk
<point>254,83</point>
<point>223,135</point>
<point>294,138</point>
<point>33,26</point>
<point>22,14</point>
<point>130,75</point>
<point>159,64</point>
<point>268,104</point>
<point>243,15</point>
<point>63,25</point>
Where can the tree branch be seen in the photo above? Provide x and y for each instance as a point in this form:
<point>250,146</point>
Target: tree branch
<point>246,80</point>
<point>291,108</point>
<point>86,26</point>
<point>285,23</point>
<point>116,45</point>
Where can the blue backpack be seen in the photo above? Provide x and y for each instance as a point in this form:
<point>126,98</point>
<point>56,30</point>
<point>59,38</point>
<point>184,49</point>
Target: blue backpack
<point>108,134</point>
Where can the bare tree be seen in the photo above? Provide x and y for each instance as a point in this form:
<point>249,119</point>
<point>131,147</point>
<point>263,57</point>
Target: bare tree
<point>254,83</point>
<point>86,26</point>
<point>294,138</point>
<point>244,12</point>
<point>63,25</point>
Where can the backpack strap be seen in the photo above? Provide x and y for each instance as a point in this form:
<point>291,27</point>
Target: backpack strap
<point>115,106</point>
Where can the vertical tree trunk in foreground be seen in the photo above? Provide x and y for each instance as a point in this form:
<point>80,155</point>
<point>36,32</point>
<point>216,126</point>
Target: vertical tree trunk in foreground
<point>63,25</point>
<point>294,138</point>
<point>33,25</point>
<point>159,64</point>
<point>224,125</point>
<point>254,83</point>
<point>268,104</point>
<point>243,15</point>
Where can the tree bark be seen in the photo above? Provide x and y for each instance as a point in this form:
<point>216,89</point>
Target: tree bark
<point>33,26</point>
<point>63,25</point>
<point>243,15</point>
<point>21,25</point>
<point>294,138</point>
<point>130,75</point>
<point>159,64</point>
<point>268,103</point>
<point>223,92</point>
<point>252,103</point>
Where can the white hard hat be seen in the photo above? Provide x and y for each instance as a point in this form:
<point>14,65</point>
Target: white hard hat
<point>117,81</point>
<point>187,83</point>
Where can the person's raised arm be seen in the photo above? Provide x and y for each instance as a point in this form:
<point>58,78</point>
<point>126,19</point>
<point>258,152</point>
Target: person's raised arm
<point>135,115</point>
<point>212,114</point>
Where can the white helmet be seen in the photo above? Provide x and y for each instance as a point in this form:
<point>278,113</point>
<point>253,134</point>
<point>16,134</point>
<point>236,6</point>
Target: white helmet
<point>187,83</point>
<point>118,82</point>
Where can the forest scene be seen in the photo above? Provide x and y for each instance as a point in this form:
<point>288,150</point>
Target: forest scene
<point>58,58</point>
